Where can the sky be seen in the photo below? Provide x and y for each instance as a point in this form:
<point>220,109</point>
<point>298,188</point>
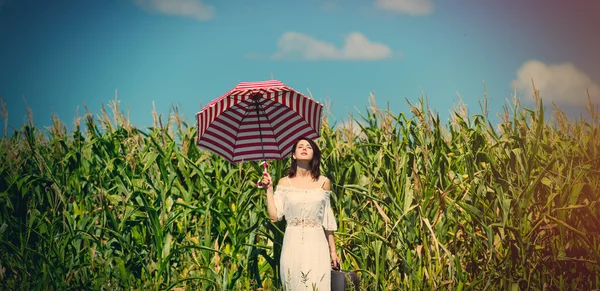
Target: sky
<point>59,57</point>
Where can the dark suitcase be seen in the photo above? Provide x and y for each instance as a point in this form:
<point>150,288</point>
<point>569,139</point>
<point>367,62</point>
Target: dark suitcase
<point>343,280</point>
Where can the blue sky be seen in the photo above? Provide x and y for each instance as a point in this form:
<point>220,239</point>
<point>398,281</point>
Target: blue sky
<point>59,55</point>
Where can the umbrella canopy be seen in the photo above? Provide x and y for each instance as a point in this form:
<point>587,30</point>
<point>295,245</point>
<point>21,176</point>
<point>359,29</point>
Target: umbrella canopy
<point>258,121</point>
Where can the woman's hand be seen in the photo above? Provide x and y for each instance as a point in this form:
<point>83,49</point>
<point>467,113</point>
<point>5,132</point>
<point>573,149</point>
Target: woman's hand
<point>335,261</point>
<point>265,182</point>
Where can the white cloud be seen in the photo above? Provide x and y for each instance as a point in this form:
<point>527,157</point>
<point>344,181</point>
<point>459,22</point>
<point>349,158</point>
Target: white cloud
<point>294,45</point>
<point>559,83</point>
<point>410,7</point>
<point>195,9</point>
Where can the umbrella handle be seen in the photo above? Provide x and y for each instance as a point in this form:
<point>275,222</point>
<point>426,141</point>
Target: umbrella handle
<point>259,183</point>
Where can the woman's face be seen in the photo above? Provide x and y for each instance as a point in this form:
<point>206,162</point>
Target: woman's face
<point>304,151</point>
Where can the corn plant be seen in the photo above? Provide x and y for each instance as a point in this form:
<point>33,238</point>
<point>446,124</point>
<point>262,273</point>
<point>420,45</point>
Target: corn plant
<point>421,204</point>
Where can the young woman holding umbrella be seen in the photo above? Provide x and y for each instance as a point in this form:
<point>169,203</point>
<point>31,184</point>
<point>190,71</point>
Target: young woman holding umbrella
<point>303,197</point>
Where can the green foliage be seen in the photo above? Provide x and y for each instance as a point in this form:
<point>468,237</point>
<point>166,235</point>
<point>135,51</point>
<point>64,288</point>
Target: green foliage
<point>420,205</point>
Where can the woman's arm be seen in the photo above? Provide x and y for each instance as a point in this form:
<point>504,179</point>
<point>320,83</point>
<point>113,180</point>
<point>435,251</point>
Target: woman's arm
<point>329,234</point>
<point>332,251</point>
<point>271,209</point>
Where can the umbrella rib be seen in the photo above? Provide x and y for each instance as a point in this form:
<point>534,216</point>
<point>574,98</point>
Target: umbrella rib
<point>238,132</point>
<point>275,137</point>
<point>257,105</point>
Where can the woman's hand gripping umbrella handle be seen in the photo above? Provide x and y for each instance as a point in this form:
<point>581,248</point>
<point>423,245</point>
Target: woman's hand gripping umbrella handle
<point>265,181</point>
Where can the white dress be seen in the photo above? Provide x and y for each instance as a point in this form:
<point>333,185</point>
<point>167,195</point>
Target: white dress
<point>305,262</point>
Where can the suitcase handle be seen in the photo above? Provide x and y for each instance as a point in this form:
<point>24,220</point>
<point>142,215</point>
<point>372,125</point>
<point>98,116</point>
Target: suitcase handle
<point>335,267</point>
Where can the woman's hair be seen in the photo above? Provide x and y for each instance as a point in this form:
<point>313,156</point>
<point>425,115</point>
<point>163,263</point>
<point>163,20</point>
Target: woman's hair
<point>314,164</point>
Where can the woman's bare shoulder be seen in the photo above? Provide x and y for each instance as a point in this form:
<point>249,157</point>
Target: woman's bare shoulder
<point>325,183</point>
<point>283,181</point>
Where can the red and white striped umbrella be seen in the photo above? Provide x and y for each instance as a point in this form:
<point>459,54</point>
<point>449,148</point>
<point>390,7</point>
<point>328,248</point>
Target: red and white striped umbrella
<point>258,121</point>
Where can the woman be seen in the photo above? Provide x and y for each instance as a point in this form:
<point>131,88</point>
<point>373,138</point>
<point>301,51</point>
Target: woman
<point>303,198</point>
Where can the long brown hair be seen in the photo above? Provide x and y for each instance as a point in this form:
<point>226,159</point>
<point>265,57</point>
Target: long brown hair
<point>314,164</point>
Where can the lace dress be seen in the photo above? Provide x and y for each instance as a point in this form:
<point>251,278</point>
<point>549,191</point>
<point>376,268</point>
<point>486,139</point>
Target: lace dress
<point>305,262</point>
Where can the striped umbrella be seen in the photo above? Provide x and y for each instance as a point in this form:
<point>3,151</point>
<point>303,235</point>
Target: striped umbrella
<point>258,121</point>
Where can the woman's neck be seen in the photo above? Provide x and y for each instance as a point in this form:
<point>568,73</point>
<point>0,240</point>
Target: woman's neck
<point>302,171</point>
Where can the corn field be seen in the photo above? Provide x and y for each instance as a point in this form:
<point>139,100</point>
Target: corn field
<point>420,204</point>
